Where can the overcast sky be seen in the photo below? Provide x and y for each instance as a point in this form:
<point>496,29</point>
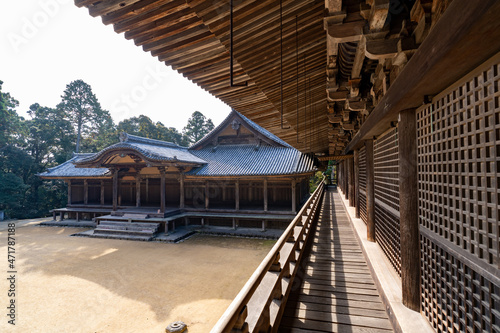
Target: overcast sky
<point>46,44</point>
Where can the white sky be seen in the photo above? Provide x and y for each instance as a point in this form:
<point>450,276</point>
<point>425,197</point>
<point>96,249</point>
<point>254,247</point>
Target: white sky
<point>46,44</point>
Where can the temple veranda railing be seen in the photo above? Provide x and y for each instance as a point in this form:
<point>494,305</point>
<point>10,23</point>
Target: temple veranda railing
<point>259,305</point>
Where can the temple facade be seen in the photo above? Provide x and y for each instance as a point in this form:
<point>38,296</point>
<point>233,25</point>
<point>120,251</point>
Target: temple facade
<point>239,170</point>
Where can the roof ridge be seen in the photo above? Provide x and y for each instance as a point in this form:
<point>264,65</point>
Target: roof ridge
<point>125,137</point>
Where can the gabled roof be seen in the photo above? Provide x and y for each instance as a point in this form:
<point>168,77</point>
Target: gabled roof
<point>68,169</point>
<point>245,122</point>
<point>248,160</point>
<point>150,149</point>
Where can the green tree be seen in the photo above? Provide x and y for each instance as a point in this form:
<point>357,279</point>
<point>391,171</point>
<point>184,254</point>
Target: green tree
<point>12,191</point>
<point>83,109</point>
<point>197,127</point>
<point>10,122</point>
<point>145,127</point>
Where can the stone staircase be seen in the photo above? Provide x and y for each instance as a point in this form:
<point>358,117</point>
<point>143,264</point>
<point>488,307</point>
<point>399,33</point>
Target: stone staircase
<point>143,231</point>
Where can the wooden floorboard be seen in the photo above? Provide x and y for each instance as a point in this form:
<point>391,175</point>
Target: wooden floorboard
<point>337,292</point>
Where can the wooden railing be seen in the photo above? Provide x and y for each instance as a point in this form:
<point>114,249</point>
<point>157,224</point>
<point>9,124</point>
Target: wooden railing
<point>260,304</point>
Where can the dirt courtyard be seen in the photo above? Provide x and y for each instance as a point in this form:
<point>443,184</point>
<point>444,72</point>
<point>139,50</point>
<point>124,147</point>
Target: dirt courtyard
<point>79,284</point>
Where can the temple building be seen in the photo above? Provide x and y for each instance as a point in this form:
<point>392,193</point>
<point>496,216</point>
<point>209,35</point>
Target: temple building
<point>238,173</point>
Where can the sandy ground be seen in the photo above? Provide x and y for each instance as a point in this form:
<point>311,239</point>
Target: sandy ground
<point>77,284</point>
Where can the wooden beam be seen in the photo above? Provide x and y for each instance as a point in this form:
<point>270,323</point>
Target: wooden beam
<point>356,183</point>
<point>237,194</point>
<point>69,192</point>
<point>102,193</point>
<point>85,192</point>
<point>181,190</point>
<point>350,168</point>
<point>474,38</point>
<point>207,196</point>
<point>265,194</point>
<point>408,209</point>
<point>115,189</point>
<point>162,189</point>
<point>138,190</point>
<point>370,192</point>
<point>294,196</point>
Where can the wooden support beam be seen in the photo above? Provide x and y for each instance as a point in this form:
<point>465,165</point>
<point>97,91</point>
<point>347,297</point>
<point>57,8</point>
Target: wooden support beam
<point>408,209</point>
<point>162,189</point>
<point>294,199</point>
<point>356,183</point>
<point>69,192</point>
<point>207,197</point>
<point>237,194</point>
<point>181,190</point>
<point>370,192</point>
<point>85,192</point>
<point>147,190</point>
<point>115,189</point>
<point>138,190</point>
<point>350,168</point>
<point>265,194</point>
<point>102,193</point>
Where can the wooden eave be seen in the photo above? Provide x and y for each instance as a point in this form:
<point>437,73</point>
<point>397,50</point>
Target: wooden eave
<point>193,38</point>
<point>467,34</point>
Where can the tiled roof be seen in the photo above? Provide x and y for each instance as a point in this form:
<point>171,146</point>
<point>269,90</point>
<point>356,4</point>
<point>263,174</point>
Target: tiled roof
<point>68,169</point>
<point>153,150</point>
<point>250,123</point>
<point>246,160</point>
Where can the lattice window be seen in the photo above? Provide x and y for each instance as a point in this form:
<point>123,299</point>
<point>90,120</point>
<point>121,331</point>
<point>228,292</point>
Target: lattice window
<point>362,183</point>
<point>386,172</point>
<point>455,297</point>
<point>459,165</point>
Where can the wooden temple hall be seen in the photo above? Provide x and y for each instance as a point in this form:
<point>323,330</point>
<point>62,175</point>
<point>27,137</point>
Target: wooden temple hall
<point>403,96</point>
<point>239,170</point>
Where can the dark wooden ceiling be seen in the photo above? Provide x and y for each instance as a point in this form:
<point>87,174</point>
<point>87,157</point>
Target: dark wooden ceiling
<point>280,57</point>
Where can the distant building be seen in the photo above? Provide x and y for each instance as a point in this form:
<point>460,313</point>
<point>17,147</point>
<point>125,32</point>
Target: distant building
<point>238,171</point>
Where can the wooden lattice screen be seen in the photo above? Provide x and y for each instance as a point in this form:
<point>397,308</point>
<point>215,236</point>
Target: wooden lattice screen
<point>459,180</point>
<point>386,172</point>
<point>362,184</point>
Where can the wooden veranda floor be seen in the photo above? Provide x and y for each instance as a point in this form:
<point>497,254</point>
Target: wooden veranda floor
<point>334,289</point>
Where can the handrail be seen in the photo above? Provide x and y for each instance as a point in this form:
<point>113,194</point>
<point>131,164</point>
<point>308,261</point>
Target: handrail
<point>276,270</point>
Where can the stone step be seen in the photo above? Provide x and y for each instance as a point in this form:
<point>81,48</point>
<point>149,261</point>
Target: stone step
<point>135,216</point>
<point>149,233</point>
<point>131,228</point>
<point>127,224</point>
<point>122,237</point>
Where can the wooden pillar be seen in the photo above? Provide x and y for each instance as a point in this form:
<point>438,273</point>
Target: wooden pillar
<point>265,194</point>
<point>237,194</point>
<point>263,225</point>
<point>102,193</point>
<point>162,189</point>
<point>356,182</point>
<point>234,223</point>
<point>138,190</point>
<point>370,192</point>
<point>147,190</point>
<point>120,189</point>
<point>115,189</point>
<point>69,192</point>
<point>350,167</point>
<point>294,203</point>
<point>85,192</point>
<point>408,209</point>
<point>181,190</point>
<point>207,196</point>
<point>250,192</point>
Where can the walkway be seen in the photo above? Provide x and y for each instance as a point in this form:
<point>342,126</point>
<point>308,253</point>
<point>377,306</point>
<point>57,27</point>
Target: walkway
<point>335,291</point>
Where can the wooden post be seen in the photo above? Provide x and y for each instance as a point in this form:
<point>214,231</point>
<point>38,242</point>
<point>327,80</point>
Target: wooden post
<point>234,223</point>
<point>263,225</point>
<point>265,195</point>
<point>294,204</point>
<point>120,189</point>
<point>408,209</point>
<point>207,199</point>
<point>162,189</point>
<point>85,192</point>
<point>250,192</point>
<point>138,191</point>
<point>69,192</point>
<point>181,190</point>
<point>370,192</point>
<point>350,167</point>
<point>102,193</point>
<point>147,190</point>
<point>237,194</point>
<point>356,182</point>
<point>115,189</point>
